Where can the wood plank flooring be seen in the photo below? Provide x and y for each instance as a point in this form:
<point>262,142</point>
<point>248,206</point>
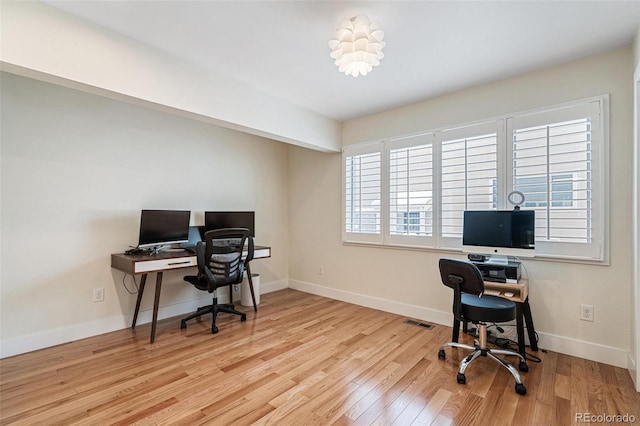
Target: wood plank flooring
<point>301,360</point>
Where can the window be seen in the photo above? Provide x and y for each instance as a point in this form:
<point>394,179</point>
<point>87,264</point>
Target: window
<point>409,223</point>
<point>413,191</point>
<point>537,192</point>
<point>558,162</point>
<point>410,189</point>
<point>362,177</point>
<point>468,170</point>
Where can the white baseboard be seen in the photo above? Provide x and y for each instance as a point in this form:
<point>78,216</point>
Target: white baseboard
<point>565,345</point>
<point>273,286</point>
<point>411,311</point>
<point>581,349</point>
<point>62,335</point>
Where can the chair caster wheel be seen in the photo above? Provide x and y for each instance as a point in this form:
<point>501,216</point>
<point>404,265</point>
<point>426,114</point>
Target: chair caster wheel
<point>523,366</point>
<point>243,317</point>
<point>442,354</point>
<point>214,329</point>
<point>520,389</point>
<point>183,325</point>
<point>462,379</point>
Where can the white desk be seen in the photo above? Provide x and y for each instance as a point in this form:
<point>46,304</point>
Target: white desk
<point>143,264</point>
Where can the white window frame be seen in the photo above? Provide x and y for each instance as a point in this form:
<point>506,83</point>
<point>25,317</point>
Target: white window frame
<point>595,252</point>
<point>470,131</point>
<point>597,109</point>
<point>364,149</point>
<point>408,240</point>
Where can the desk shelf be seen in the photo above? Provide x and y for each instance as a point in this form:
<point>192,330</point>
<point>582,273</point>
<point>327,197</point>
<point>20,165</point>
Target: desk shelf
<point>520,290</point>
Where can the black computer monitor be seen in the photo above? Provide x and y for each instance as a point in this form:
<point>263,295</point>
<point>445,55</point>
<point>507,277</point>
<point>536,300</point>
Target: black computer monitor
<point>162,227</point>
<point>499,232</point>
<point>218,220</point>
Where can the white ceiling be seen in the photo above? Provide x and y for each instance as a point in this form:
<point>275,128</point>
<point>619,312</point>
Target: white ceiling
<point>433,47</point>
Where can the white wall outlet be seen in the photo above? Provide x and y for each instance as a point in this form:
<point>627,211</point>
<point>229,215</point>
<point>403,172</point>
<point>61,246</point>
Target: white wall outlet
<point>98,294</point>
<point>586,312</point>
<point>321,270</point>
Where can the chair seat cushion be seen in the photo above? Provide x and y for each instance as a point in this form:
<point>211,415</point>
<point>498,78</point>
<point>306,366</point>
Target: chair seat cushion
<point>197,283</point>
<point>487,308</point>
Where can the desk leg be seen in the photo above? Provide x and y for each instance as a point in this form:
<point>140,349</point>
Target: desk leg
<point>253,295</point>
<point>156,302</point>
<point>143,281</point>
<point>520,330</point>
<point>528,319</point>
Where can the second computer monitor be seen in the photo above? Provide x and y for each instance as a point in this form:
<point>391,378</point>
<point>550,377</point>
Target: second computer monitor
<point>218,220</point>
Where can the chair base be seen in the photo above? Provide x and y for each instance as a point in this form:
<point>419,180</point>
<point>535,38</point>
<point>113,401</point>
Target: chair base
<point>481,349</point>
<point>213,309</point>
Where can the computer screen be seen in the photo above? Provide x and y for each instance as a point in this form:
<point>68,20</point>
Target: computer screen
<point>159,227</point>
<point>502,232</point>
<point>218,220</point>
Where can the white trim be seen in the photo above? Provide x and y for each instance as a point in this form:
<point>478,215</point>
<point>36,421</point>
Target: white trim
<point>273,286</point>
<point>398,308</point>
<point>634,350</point>
<point>565,345</point>
<point>581,349</point>
<point>62,335</point>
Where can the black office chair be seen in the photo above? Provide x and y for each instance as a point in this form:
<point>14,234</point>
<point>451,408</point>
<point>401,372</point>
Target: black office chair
<point>469,304</point>
<point>220,263</point>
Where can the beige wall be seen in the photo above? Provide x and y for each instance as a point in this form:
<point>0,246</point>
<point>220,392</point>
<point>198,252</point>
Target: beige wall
<point>411,279</point>
<point>76,171</point>
<point>42,42</point>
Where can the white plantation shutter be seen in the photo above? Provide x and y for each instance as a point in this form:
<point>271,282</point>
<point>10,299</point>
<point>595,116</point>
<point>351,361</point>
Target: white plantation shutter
<point>410,218</point>
<point>362,169</point>
<point>557,162</point>
<point>468,176</point>
<point>413,191</point>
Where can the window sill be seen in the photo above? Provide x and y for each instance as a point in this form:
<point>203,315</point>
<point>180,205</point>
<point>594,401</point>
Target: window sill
<point>452,251</point>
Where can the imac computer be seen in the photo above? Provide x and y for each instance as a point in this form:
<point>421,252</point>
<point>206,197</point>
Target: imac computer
<point>218,220</point>
<point>163,227</point>
<point>499,233</point>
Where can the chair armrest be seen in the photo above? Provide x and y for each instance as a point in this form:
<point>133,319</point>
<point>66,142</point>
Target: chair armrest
<point>250,250</point>
<point>203,270</point>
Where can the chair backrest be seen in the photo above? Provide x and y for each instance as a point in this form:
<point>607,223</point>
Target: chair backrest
<point>220,259</point>
<point>463,277</point>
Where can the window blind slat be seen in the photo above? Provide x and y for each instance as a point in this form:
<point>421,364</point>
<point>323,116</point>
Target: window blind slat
<point>551,167</point>
<point>468,179</point>
<point>411,191</point>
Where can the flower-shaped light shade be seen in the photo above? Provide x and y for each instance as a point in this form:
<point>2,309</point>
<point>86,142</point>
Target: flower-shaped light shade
<point>357,46</point>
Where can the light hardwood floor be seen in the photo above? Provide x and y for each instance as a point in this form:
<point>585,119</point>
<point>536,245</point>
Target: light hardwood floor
<point>302,359</point>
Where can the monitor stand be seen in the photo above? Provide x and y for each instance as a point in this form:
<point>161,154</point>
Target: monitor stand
<point>499,260</point>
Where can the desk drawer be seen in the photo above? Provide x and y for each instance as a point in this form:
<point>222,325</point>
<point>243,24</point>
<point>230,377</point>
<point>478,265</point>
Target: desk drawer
<point>164,264</point>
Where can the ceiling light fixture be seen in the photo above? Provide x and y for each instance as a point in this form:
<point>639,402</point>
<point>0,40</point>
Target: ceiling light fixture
<point>357,46</point>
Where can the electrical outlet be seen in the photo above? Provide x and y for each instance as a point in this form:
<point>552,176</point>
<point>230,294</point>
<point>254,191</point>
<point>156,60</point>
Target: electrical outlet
<point>586,312</point>
<point>98,294</point>
<point>321,270</point>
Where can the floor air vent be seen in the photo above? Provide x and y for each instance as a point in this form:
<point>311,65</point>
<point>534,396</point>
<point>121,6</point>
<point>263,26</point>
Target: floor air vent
<point>418,324</point>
